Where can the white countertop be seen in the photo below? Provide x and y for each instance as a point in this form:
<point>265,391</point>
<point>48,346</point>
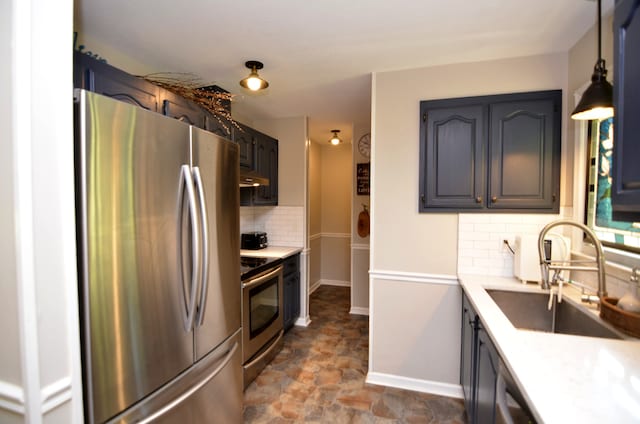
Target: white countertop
<point>565,379</point>
<point>272,252</point>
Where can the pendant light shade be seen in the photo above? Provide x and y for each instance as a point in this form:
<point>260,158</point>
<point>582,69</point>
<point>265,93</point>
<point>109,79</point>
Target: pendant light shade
<point>335,140</point>
<point>597,100</point>
<point>253,82</point>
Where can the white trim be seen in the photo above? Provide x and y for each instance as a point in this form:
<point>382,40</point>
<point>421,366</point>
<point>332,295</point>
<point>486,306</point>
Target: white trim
<point>415,277</point>
<point>358,310</point>
<point>11,398</point>
<point>23,109</point>
<point>424,386</point>
<point>303,321</point>
<point>314,237</point>
<point>360,246</point>
<point>336,235</point>
<point>55,394</point>
<point>313,287</point>
<point>338,283</point>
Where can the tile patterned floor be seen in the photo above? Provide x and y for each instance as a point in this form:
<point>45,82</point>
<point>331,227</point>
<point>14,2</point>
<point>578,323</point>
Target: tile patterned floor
<point>318,377</point>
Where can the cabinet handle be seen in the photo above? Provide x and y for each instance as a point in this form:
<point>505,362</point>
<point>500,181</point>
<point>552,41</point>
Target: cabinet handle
<point>494,199</point>
<point>479,199</point>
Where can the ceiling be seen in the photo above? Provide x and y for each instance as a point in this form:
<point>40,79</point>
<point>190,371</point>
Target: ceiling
<point>319,55</point>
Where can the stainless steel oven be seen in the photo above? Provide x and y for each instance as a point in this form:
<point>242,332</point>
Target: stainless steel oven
<point>262,310</point>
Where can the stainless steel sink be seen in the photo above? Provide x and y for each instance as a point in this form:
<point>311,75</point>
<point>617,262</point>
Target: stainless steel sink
<point>529,311</point>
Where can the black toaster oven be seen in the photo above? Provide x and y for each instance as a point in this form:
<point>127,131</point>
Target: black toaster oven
<point>254,240</point>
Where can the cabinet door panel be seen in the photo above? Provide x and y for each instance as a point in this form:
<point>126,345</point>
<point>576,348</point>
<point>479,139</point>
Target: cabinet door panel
<point>182,110</point>
<point>625,193</point>
<point>486,377</point>
<point>246,139</point>
<point>523,154</point>
<point>267,165</point>
<point>452,171</point>
<point>467,354</point>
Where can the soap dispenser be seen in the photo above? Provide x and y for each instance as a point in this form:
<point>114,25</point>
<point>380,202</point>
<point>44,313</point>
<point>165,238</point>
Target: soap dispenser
<point>630,301</point>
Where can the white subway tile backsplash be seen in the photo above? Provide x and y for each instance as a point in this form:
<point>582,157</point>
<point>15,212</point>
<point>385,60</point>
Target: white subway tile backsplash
<point>283,224</point>
<point>486,232</point>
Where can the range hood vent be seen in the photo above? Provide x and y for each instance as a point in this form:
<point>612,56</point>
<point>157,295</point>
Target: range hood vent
<point>252,179</point>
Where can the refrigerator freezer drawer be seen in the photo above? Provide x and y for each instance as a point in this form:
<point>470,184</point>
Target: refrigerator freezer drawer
<point>209,392</point>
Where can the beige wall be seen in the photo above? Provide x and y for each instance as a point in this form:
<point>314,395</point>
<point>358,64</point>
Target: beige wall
<point>329,213</point>
<point>359,245</point>
<point>414,255</point>
<point>336,188</point>
<point>335,219</point>
<point>315,205</point>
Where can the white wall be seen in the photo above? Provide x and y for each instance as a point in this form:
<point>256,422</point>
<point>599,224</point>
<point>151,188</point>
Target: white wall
<point>40,375</point>
<point>414,256</point>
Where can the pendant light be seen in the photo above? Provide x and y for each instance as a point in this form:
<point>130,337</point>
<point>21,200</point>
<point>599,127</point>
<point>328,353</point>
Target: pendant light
<point>597,100</point>
<point>335,140</point>
<point>253,82</point>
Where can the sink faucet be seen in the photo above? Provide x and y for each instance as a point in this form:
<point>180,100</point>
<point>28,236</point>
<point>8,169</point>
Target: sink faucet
<point>557,266</point>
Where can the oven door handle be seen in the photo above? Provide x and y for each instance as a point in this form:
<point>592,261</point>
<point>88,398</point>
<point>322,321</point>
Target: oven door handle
<point>261,279</point>
<point>266,352</point>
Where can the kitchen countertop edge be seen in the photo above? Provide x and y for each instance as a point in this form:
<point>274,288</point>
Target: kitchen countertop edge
<point>272,252</point>
<point>564,378</point>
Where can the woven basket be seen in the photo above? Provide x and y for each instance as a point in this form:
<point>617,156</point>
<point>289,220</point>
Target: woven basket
<point>628,322</point>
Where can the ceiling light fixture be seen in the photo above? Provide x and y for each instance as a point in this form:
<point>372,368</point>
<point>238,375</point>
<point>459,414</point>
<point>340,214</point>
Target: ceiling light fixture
<point>253,82</point>
<point>597,100</point>
<point>335,140</point>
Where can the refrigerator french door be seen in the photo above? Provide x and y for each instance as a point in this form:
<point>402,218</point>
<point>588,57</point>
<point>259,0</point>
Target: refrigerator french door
<point>158,258</point>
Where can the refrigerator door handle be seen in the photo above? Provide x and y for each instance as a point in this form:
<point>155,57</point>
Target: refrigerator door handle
<point>205,247</point>
<point>190,301</point>
<point>184,396</point>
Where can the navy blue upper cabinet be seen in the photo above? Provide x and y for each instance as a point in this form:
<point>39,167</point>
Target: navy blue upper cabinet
<point>246,138</point>
<point>491,153</point>
<point>259,153</point>
<point>625,193</point>
<point>105,79</point>
<point>182,109</point>
<point>525,153</point>
<point>267,165</point>
<point>454,131</point>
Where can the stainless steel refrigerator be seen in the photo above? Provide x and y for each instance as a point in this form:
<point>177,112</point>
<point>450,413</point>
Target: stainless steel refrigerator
<point>158,257</point>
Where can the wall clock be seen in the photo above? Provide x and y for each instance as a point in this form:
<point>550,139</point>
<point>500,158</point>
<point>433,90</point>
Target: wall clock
<point>364,145</point>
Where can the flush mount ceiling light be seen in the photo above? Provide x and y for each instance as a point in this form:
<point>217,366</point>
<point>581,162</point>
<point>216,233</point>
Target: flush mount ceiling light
<point>335,140</point>
<point>253,82</point>
<point>597,100</point>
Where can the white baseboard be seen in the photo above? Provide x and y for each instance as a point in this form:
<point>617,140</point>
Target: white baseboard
<point>303,321</point>
<point>313,287</point>
<point>357,310</point>
<point>337,283</point>
<point>425,386</point>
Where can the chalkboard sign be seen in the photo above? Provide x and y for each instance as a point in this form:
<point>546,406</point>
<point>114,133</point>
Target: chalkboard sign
<point>362,179</point>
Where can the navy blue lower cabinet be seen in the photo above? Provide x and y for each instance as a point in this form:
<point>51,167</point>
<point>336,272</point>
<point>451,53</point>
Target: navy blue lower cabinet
<point>479,362</point>
<point>468,354</point>
<point>486,379</point>
<point>291,300</point>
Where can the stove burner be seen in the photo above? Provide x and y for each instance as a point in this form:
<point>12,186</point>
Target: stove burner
<point>252,265</point>
<point>251,262</point>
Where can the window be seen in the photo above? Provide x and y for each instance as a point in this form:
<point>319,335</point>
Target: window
<point>618,234</point>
